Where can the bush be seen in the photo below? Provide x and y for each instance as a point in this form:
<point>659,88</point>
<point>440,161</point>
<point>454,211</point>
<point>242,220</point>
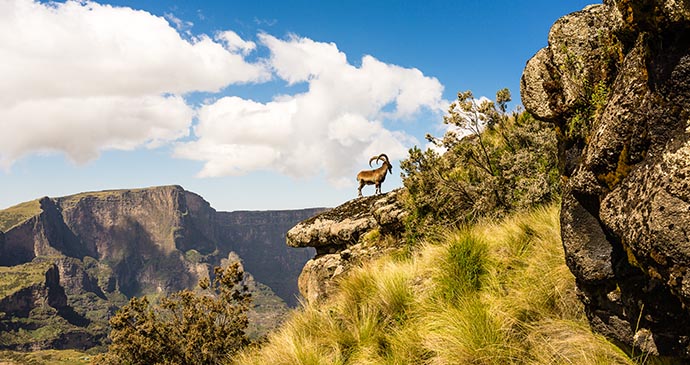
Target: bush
<point>493,163</point>
<point>184,328</point>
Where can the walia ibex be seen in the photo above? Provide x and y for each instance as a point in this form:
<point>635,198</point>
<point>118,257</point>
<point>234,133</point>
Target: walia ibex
<point>375,176</point>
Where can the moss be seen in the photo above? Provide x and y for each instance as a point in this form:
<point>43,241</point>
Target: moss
<point>371,237</point>
<point>17,214</point>
<point>588,111</point>
<point>623,167</point>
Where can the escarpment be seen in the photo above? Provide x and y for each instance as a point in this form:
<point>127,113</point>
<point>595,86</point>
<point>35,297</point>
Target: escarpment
<point>358,230</point>
<point>108,246</point>
<point>615,82</point>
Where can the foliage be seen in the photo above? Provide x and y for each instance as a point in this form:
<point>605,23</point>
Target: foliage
<point>589,107</point>
<point>185,327</point>
<point>520,306</point>
<point>493,163</point>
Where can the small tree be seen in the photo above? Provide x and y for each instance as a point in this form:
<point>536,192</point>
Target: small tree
<point>494,163</point>
<point>184,328</point>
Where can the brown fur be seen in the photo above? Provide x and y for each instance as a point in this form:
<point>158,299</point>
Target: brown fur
<point>375,176</point>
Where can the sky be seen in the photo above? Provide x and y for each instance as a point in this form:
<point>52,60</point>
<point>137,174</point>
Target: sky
<point>254,105</point>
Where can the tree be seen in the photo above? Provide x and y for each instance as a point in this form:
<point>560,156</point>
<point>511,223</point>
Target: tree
<point>185,327</point>
<point>493,163</point>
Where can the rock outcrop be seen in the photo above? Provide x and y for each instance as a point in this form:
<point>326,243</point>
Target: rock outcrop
<point>108,246</point>
<point>615,81</point>
<point>344,237</point>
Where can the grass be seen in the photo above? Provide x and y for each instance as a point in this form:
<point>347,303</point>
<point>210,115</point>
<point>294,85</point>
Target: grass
<point>45,357</point>
<point>17,214</point>
<point>496,293</point>
<point>15,278</point>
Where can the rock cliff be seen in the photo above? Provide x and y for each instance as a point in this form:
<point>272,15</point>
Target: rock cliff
<point>105,247</point>
<point>615,82</point>
<point>359,230</point>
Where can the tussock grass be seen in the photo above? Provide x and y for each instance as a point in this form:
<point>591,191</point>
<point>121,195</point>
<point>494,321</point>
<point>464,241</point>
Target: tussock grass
<point>495,293</point>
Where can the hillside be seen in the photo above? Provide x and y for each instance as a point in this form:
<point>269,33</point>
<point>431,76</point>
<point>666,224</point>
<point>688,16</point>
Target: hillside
<point>496,293</point>
<point>68,263</point>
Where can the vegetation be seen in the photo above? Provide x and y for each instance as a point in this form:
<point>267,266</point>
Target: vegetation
<point>52,357</point>
<point>19,213</point>
<point>496,293</point>
<point>15,278</point>
<point>185,327</point>
<point>494,163</point>
<point>489,286</point>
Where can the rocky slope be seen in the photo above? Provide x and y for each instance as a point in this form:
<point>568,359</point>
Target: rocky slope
<point>357,231</point>
<point>103,247</point>
<point>615,81</point>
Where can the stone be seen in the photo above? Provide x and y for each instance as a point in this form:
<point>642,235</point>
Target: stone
<point>622,68</point>
<point>341,238</point>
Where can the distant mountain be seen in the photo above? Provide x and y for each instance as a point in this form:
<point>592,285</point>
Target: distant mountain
<point>67,264</point>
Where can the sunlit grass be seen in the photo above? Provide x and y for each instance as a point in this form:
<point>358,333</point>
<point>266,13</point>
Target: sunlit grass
<point>496,293</point>
<point>17,214</point>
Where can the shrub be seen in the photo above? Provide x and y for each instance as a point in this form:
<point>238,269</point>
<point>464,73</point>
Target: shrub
<point>493,163</point>
<point>185,327</point>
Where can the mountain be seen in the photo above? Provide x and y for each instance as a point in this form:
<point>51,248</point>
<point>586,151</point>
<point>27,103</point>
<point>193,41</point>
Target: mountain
<point>68,263</point>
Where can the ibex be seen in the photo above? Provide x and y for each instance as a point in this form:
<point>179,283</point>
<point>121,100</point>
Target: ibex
<point>376,176</point>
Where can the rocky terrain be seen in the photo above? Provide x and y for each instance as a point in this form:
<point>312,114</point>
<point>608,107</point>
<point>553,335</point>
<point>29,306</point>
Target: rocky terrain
<point>615,82</point>
<point>356,231</point>
<point>68,263</point>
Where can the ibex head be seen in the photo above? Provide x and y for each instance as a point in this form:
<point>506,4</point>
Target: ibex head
<point>385,161</point>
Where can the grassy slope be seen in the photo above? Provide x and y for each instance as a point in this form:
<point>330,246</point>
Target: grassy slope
<point>52,357</point>
<point>19,213</point>
<point>15,278</point>
<point>498,293</point>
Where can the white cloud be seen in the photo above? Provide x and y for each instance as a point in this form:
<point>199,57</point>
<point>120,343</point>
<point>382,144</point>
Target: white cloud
<point>234,43</point>
<point>82,127</point>
<point>63,62</point>
<point>79,78</point>
<point>332,128</point>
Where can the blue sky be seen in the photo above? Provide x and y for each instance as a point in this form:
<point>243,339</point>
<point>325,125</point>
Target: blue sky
<point>255,105</point>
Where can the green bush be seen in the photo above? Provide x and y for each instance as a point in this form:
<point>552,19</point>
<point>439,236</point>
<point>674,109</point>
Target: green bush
<point>493,163</point>
<point>186,327</point>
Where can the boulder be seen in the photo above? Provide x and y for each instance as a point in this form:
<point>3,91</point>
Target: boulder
<point>344,237</point>
<point>615,82</point>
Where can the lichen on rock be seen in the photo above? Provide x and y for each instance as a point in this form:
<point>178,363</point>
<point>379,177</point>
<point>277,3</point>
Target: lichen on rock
<point>344,237</point>
<point>615,82</point>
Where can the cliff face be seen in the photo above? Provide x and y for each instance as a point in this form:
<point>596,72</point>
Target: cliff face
<point>259,238</point>
<point>108,246</point>
<point>615,81</point>
<point>359,230</point>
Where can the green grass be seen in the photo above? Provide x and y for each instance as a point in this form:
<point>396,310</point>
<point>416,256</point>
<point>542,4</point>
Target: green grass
<point>496,293</point>
<point>45,357</point>
<point>15,278</point>
<point>17,214</point>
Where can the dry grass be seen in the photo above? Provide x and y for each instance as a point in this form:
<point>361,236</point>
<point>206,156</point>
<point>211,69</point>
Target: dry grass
<point>497,293</point>
<point>17,214</point>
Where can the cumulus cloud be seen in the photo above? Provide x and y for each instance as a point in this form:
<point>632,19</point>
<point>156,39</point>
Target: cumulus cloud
<point>235,43</point>
<point>331,128</point>
<point>65,62</point>
<point>79,77</point>
<point>81,127</point>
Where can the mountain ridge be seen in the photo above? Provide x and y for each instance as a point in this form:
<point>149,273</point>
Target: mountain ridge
<point>108,246</point>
